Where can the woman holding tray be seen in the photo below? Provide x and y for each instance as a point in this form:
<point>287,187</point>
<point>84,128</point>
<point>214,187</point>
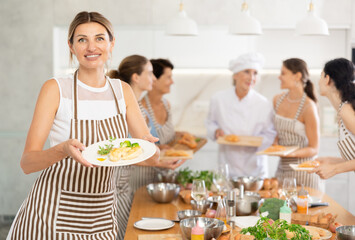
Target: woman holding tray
<point>297,122</point>
<point>137,71</point>
<point>242,111</point>
<point>337,84</point>
<point>72,199</point>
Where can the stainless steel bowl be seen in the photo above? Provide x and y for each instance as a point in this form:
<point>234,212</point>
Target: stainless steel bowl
<point>212,227</point>
<point>345,232</point>
<point>163,192</point>
<point>201,206</point>
<point>188,213</point>
<point>250,183</point>
<point>247,205</point>
<point>167,176</point>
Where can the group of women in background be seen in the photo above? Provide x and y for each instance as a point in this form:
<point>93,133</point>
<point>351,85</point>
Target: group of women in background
<point>72,199</point>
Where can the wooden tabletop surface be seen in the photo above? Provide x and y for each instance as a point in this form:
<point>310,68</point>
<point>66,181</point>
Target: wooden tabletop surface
<point>144,206</point>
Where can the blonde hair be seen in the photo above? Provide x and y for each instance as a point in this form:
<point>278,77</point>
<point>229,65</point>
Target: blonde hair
<point>87,17</point>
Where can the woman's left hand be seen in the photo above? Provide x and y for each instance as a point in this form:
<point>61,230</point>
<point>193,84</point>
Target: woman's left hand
<point>149,137</point>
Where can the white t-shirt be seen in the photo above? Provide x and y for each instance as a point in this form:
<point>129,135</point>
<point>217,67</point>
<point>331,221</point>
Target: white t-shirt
<point>93,104</point>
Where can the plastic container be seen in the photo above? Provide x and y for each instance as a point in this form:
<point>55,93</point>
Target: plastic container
<point>285,213</point>
<point>302,201</point>
<point>197,233</point>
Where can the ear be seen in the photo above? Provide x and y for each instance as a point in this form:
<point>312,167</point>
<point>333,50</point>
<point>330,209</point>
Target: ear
<point>327,80</point>
<point>134,78</point>
<point>298,75</point>
<point>112,44</point>
<point>71,47</point>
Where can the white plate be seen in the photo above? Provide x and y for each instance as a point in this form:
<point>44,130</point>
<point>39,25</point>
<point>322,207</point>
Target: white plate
<point>245,221</point>
<point>296,168</point>
<point>154,224</point>
<point>91,155</point>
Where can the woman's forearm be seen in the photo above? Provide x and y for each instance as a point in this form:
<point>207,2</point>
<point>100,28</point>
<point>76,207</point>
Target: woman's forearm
<point>346,166</point>
<point>34,161</point>
<point>306,152</point>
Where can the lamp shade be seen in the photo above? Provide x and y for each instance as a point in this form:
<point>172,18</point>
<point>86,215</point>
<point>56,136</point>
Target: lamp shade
<point>244,24</point>
<point>182,25</point>
<point>312,25</point>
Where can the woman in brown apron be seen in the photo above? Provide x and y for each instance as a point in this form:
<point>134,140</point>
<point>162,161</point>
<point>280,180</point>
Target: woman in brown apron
<point>72,199</point>
<point>296,122</point>
<point>337,84</point>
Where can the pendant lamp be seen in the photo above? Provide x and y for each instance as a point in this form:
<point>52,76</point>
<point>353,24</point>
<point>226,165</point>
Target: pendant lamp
<point>182,25</point>
<point>244,24</point>
<point>311,24</point>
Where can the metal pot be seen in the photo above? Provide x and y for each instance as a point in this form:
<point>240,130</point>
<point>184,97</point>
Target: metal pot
<point>247,203</point>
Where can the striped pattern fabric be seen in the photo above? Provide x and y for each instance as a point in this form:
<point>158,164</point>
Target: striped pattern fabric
<point>346,143</point>
<point>69,201</point>
<point>143,175</point>
<point>287,136</point>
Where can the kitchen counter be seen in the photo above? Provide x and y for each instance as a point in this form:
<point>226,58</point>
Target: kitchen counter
<point>144,206</point>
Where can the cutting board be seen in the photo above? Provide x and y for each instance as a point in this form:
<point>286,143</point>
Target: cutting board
<point>200,143</point>
<point>288,150</point>
<point>189,152</point>
<point>158,236</point>
<point>247,141</point>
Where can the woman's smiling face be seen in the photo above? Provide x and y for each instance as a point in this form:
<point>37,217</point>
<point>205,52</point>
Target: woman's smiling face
<point>91,45</point>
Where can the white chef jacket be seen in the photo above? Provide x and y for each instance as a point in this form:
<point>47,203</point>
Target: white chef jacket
<point>250,116</point>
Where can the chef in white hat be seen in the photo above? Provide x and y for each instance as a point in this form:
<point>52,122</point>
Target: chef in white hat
<point>242,111</point>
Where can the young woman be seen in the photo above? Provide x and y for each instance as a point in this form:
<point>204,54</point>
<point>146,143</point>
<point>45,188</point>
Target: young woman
<point>72,199</point>
<point>337,84</point>
<point>242,111</point>
<point>296,121</point>
<point>137,71</point>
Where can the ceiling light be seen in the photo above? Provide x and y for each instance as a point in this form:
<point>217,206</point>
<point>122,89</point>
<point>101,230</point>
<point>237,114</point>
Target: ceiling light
<point>182,25</point>
<point>244,24</point>
<point>311,24</point>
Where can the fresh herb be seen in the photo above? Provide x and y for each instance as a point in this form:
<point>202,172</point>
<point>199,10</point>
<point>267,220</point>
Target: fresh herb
<point>111,139</point>
<point>269,229</point>
<point>197,139</point>
<point>105,150</point>
<point>187,176</point>
<point>126,144</point>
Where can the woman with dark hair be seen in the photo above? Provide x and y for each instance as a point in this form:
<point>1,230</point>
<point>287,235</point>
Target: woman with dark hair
<point>337,84</point>
<point>72,199</point>
<point>297,122</point>
<point>156,110</point>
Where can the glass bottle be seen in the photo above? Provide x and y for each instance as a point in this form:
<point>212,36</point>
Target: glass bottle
<point>285,213</point>
<point>302,201</point>
<point>221,212</point>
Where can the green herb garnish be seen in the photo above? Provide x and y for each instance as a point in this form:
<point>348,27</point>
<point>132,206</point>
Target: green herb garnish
<point>187,176</point>
<point>266,228</point>
<point>105,150</point>
<point>197,139</point>
<point>111,139</point>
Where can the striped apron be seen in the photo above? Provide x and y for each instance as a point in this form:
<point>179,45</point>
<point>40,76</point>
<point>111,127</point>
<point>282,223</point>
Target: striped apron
<point>287,136</point>
<point>143,175</point>
<point>346,143</point>
<point>70,201</point>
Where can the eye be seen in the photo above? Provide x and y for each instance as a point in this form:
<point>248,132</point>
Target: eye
<point>81,40</point>
<point>100,39</point>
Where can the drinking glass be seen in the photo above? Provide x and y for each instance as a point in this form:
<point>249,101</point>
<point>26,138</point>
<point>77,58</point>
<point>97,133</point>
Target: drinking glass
<point>221,178</point>
<point>199,190</point>
<point>289,189</point>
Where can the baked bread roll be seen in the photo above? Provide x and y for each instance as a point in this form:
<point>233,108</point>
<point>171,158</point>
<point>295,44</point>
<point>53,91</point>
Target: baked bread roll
<point>309,164</point>
<point>231,138</point>
<point>176,153</point>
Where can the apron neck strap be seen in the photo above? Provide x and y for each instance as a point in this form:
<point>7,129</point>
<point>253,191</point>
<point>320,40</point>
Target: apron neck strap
<point>75,95</point>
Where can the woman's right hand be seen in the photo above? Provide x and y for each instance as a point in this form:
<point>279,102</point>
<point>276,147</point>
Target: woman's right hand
<point>72,148</point>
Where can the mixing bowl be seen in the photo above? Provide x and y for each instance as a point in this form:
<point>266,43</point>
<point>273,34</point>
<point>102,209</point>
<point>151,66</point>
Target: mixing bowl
<point>212,227</point>
<point>248,204</point>
<point>188,213</point>
<point>250,183</point>
<point>167,176</point>
<point>201,206</point>
<point>163,192</point>
<point>345,232</point>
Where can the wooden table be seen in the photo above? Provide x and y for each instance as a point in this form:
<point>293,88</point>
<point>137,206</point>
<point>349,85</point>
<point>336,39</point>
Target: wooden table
<point>144,206</point>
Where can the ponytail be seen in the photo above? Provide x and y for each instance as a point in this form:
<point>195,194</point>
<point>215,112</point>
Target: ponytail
<point>113,74</point>
<point>341,72</point>
<point>309,90</point>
